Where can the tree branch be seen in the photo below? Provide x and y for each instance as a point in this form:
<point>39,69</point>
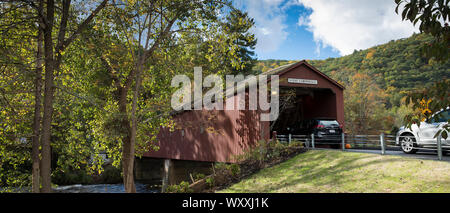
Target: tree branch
<point>81,27</point>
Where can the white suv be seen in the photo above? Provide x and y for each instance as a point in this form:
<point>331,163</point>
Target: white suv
<point>423,136</point>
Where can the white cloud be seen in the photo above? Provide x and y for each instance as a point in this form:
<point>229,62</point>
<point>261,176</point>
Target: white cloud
<point>270,29</point>
<point>346,25</point>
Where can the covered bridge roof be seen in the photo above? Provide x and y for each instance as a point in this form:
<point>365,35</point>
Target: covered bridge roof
<point>288,67</point>
<point>277,71</point>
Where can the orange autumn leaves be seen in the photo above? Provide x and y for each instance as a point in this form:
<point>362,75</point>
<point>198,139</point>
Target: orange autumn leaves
<point>424,108</point>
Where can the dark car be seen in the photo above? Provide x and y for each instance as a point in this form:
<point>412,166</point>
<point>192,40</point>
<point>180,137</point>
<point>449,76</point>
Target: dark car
<point>326,131</point>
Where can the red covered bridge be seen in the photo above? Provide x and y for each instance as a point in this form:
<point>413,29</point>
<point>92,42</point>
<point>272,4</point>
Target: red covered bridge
<point>218,135</point>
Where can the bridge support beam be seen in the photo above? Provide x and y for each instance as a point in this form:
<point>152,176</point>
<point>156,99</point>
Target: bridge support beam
<point>166,174</point>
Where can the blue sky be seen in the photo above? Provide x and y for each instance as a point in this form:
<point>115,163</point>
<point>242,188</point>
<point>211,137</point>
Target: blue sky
<point>299,43</point>
<point>319,29</point>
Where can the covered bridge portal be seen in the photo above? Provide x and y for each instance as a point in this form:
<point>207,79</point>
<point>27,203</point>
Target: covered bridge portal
<point>206,136</point>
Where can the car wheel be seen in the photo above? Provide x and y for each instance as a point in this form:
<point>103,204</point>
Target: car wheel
<point>408,144</point>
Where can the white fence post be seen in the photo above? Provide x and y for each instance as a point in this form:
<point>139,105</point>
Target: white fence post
<point>289,141</point>
<point>439,147</point>
<point>383,148</point>
<point>343,141</point>
<point>312,140</point>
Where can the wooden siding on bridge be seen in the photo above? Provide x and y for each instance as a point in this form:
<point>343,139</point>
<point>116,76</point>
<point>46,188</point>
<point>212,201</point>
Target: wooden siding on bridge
<point>210,135</point>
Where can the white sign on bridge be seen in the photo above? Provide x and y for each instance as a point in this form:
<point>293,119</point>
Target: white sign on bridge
<point>301,81</point>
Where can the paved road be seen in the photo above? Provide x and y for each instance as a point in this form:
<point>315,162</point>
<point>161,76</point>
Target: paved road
<point>428,155</point>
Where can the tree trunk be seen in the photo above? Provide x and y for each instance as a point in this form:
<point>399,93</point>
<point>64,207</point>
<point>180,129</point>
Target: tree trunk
<point>130,187</point>
<point>127,144</point>
<point>37,112</point>
<point>128,164</point>
<point>52,64</point>
<point>48,100</point>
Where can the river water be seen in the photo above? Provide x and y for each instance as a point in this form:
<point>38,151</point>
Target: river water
<point>104,188</point>
<point>97,188</point>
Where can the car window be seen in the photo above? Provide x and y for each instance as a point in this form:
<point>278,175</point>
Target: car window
<point>446,115</point>
<point>329,123</point>
<point>443,116</point>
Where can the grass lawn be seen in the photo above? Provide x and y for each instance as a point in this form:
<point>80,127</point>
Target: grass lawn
<point>337,171</point>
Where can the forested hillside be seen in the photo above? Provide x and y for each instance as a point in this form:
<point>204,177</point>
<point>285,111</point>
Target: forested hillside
<point>397,66</point>
<point>394,68</point>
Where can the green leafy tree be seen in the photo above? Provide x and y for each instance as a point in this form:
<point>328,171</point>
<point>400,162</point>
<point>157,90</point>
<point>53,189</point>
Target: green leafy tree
<point>433,17</point>
<point>49,28</point>
<point>237,28</point>
<point>115,100</point>
<point>140,46</point>
<point>54,49</point>
<point>21,61</point>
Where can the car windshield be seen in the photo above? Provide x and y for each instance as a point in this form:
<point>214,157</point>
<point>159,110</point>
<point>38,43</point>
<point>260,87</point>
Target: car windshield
<point>329,123</point>
<point>441,117</point>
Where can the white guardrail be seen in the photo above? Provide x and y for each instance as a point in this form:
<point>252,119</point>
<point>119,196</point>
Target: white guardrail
<point>380,142</point>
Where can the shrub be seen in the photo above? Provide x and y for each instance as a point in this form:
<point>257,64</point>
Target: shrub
<point>265,152</point>
<point>235,169</point>
<point>210,182</point>
<point>220,166</point>
<point>296,144</point>
<point>198,176</point>
<point>183,187</point>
